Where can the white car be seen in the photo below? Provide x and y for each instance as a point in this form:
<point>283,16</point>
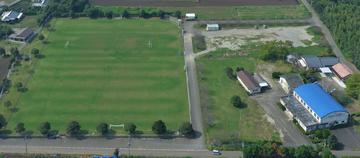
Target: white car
<point>216,152</point>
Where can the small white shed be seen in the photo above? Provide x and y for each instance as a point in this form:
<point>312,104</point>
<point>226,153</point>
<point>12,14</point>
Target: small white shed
<point>212,27</point>
<point>190,16</point>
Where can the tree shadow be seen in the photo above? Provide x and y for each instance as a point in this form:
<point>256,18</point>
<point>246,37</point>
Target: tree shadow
<point>4,133</point>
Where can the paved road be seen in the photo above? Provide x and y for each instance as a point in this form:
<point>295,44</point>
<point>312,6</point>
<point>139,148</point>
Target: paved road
<point>348,137</point>
<point>145,146</point>
<point>192,85</point>
<point>316,21</point>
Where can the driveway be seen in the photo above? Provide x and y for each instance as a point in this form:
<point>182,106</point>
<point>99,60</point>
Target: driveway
<point>291,135</point>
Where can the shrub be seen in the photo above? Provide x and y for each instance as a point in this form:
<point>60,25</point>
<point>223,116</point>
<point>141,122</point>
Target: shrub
<point>186,129</point>
<point>236,101</point>
<point>45,128</point>
<point>103,128</point>
<point>130,128</point>
<point>276,75</point>
<point>20,128</point>
<point>159,127</point>
<point>73,128</point>
<point>230,73</point>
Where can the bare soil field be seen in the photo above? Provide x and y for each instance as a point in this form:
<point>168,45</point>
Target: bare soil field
<point>234,38</point>
<point>191,3</point>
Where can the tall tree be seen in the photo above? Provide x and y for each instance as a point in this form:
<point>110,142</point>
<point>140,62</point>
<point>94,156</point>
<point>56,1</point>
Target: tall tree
<point>45,128</point>
<point>159,127</point>
<point>73,128</point>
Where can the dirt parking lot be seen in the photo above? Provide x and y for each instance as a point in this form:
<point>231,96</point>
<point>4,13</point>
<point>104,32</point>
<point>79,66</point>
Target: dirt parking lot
<point>190,3</point>
<point>235,38</point>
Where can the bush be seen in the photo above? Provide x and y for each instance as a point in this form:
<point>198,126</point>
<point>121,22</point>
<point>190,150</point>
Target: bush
<point>109,14</point>
<point>130,128</point>
<point>276,75</point>
<point>332,142</point>
<point>103,129</point>
<point>230,73</point>
<point>45,128</point>
<point>2,121</point>
<point>20,128</point>
<point>236,101</point>
<point>186,129</point>
<point>73,128</point>
<point>159,127</point>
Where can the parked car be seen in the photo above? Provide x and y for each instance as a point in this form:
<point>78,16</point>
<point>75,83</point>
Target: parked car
<point>216,152</point>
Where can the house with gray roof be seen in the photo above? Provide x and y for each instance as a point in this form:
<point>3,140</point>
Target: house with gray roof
<point>22,35</point>
<point>11,16</point>
<point>314,62</point>
<point>290,81</point>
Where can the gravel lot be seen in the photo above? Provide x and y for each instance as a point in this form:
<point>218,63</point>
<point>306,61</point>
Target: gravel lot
<point>235,38</point>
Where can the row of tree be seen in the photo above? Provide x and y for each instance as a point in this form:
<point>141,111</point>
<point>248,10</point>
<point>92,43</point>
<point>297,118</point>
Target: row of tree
<point>81,8</point>
<point>275,150</point>
<point>342,18</point>
<point>73,129</point>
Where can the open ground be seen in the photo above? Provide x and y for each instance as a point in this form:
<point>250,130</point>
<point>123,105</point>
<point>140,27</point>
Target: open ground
<point>113,71</point>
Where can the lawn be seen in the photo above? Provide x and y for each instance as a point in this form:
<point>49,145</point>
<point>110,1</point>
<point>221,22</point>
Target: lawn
<point>224,121</point>
<point>113,71</point>
<point>235,12</point>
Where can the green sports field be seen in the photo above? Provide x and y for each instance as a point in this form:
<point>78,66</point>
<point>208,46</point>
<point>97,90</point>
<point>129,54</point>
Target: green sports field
<point>112,71</point>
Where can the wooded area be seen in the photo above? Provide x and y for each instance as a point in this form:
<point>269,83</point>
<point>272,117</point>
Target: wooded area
<point>342,18</point>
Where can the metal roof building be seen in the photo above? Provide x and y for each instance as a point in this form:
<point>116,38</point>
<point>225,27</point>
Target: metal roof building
<point>320,105</point>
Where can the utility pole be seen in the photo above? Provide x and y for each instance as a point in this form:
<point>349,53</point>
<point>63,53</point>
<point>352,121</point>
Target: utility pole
<point>26,149</point>
<point>129,145</point>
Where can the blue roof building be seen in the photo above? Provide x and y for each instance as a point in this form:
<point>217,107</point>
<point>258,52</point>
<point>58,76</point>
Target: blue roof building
<point>318,99</point>
<point>313,108</point>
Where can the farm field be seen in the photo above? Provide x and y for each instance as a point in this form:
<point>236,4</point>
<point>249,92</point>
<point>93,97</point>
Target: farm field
<point>223,121</point>
<point>86,76</point>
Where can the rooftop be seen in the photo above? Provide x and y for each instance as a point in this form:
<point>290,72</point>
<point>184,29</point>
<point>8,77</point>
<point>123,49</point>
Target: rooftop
<point>299,111</point>
<point>293,80</point>
<point>317,62</point>
<point>342,70</point>
<point>318,99</point>
<point>248,80</point>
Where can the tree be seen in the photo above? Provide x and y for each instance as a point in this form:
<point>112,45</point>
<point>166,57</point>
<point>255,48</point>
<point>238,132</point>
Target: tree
<point>177,14</point>
<point>230,73</point>
<point>116,152</point>
<point>277,50</point>
<point>95,12</point>
<point>186,129</point>
<point>236,101</point>
<point>130,128</point>
<point>326,153</point>
<point>103,128</point>
<point>5,31</point>
<point>73,128</point>
<point>353,86</point>
<point>159,127</point>
<point>322,133</point>
<point>41,37</point>
<point>109,14</point>
<point>14,52</point>
<point>161,14</point>
<point>45,128</point>
<point>332,142</point>
<point>239,69</point>
<point>125,14</point>
<point>276,75</point>
<point>2,121</point>
<point>20,128</point>
<point>143,14</point>
<point>305,152</point>
<point>2,51</point>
